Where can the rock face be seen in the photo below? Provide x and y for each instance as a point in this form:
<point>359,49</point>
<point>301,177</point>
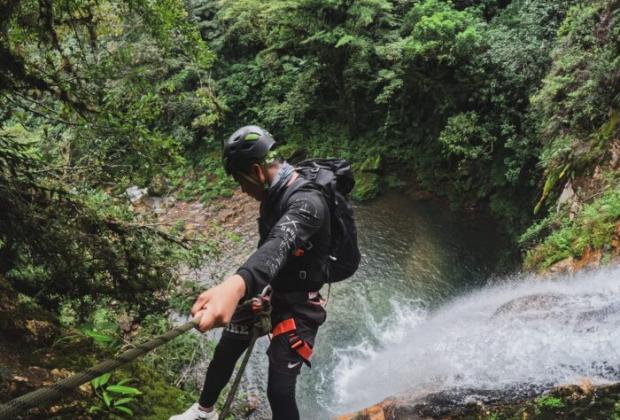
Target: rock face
<point>452,404</point>
<point>566,402</point>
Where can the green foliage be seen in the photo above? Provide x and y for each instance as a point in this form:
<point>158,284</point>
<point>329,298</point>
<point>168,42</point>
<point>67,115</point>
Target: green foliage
<point>113,398</point>
<point>184,295</point>
<point>102,328</point>
<point>548,401</point>
<point>466,138</point>
<point>577,104</point>
<point>128,99</point>
<point>95,96</point>
<point>176,358</point>
<point>594,228</point>
<point>205,179</point>
<point>442,88</point>
<point>615,415</point>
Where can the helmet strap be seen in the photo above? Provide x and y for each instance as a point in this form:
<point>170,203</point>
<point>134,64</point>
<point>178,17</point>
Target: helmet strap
<point>249,178</point>
<point>252,179</point>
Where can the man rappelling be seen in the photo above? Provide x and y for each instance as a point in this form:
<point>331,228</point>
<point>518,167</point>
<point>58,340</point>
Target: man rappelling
<point>307,238</point>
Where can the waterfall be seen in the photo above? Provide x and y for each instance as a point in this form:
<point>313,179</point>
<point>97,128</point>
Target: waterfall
<point>521,333</point>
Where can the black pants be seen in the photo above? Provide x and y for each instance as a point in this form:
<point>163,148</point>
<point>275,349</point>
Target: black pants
<point>284,362</point>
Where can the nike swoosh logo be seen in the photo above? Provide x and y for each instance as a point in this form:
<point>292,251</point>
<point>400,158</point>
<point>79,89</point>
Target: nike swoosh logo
<point>293,365</point>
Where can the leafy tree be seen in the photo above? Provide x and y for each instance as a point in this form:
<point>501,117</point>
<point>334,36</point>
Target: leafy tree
<point>94,94</point>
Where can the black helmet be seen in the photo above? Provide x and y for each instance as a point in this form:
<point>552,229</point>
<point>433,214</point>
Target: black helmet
<point>247,145</point>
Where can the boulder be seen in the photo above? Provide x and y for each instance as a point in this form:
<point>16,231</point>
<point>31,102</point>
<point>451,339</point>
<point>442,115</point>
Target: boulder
<point>569,199</point>
<point>136,194</point>
<point>159,186</point>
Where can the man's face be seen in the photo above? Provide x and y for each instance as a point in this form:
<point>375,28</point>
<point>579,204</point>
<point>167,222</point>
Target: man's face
<point>252,183</point>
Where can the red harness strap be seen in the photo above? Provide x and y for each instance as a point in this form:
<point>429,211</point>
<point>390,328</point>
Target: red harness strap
<point>303,349</point>
<point>300,346</point>
<point>288,325</point>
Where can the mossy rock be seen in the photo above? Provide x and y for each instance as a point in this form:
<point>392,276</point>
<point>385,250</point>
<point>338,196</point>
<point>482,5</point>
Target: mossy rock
<point>371,164</point>
<point>159,400</point>
<point>367,178</point>
<point>367,186</point>
<point>159,186</point>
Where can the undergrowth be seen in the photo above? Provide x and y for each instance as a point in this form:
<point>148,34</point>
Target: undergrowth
<point>594,228</point>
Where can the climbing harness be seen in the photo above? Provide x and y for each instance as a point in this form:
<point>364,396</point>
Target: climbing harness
<point>300,346</point>
<point>47,395</point>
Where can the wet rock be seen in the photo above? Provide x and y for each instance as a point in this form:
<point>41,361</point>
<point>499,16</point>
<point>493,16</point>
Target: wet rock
<point>590,259</point>
<point>136,194</point>
<point>600,314</point>
<point>525,303</point>
<point>568,401</point>
<point>569,199</point>
<point>155,204</point>
<point>450,404</point>
<point>564,266</point>
<point>376,412</point>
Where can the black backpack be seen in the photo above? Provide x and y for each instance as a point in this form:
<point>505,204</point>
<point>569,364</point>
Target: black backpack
<point>335,178</point>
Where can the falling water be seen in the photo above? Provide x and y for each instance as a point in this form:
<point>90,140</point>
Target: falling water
<point>525,332</point>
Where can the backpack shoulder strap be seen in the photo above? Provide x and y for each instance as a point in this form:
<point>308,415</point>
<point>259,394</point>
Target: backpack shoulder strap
<point>290,190</point>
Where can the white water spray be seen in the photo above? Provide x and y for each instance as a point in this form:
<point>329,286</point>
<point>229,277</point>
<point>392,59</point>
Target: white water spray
<point>524,332</point>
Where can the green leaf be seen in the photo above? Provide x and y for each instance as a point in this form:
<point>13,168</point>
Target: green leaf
<point>346,39</point>
<point>103,379</point>
<point>94,409</point>
<point>106,399</point>
<point>100,338</point>
<point>123,401</point>
<point>125,410</point>
<point>125,390</point>
<point>125,381</point>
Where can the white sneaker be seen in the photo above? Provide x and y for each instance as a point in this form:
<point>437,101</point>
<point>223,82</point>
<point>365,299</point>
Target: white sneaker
<point>195,413</point>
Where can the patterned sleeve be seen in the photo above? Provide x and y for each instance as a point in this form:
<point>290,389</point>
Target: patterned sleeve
<point>302,218</point>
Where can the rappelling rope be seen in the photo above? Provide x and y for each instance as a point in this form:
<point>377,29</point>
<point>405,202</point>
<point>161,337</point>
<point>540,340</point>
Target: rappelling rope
<point>235,385</point>
<point>262,325</point>
<point>45,396</point>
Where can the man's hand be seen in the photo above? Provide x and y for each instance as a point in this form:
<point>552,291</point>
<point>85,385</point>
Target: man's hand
<point>216,306</point>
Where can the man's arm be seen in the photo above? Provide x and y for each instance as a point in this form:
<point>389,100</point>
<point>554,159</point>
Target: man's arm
<point>305,214</point>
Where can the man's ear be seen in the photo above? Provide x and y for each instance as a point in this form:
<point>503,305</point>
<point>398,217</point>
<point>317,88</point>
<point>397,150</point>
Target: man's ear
<point>258,173</point>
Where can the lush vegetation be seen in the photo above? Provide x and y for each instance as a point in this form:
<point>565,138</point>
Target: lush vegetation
<point>511,106</point>
<point>494,105</point>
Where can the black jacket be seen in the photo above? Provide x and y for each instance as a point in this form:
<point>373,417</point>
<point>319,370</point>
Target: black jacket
<point>302,223</point>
